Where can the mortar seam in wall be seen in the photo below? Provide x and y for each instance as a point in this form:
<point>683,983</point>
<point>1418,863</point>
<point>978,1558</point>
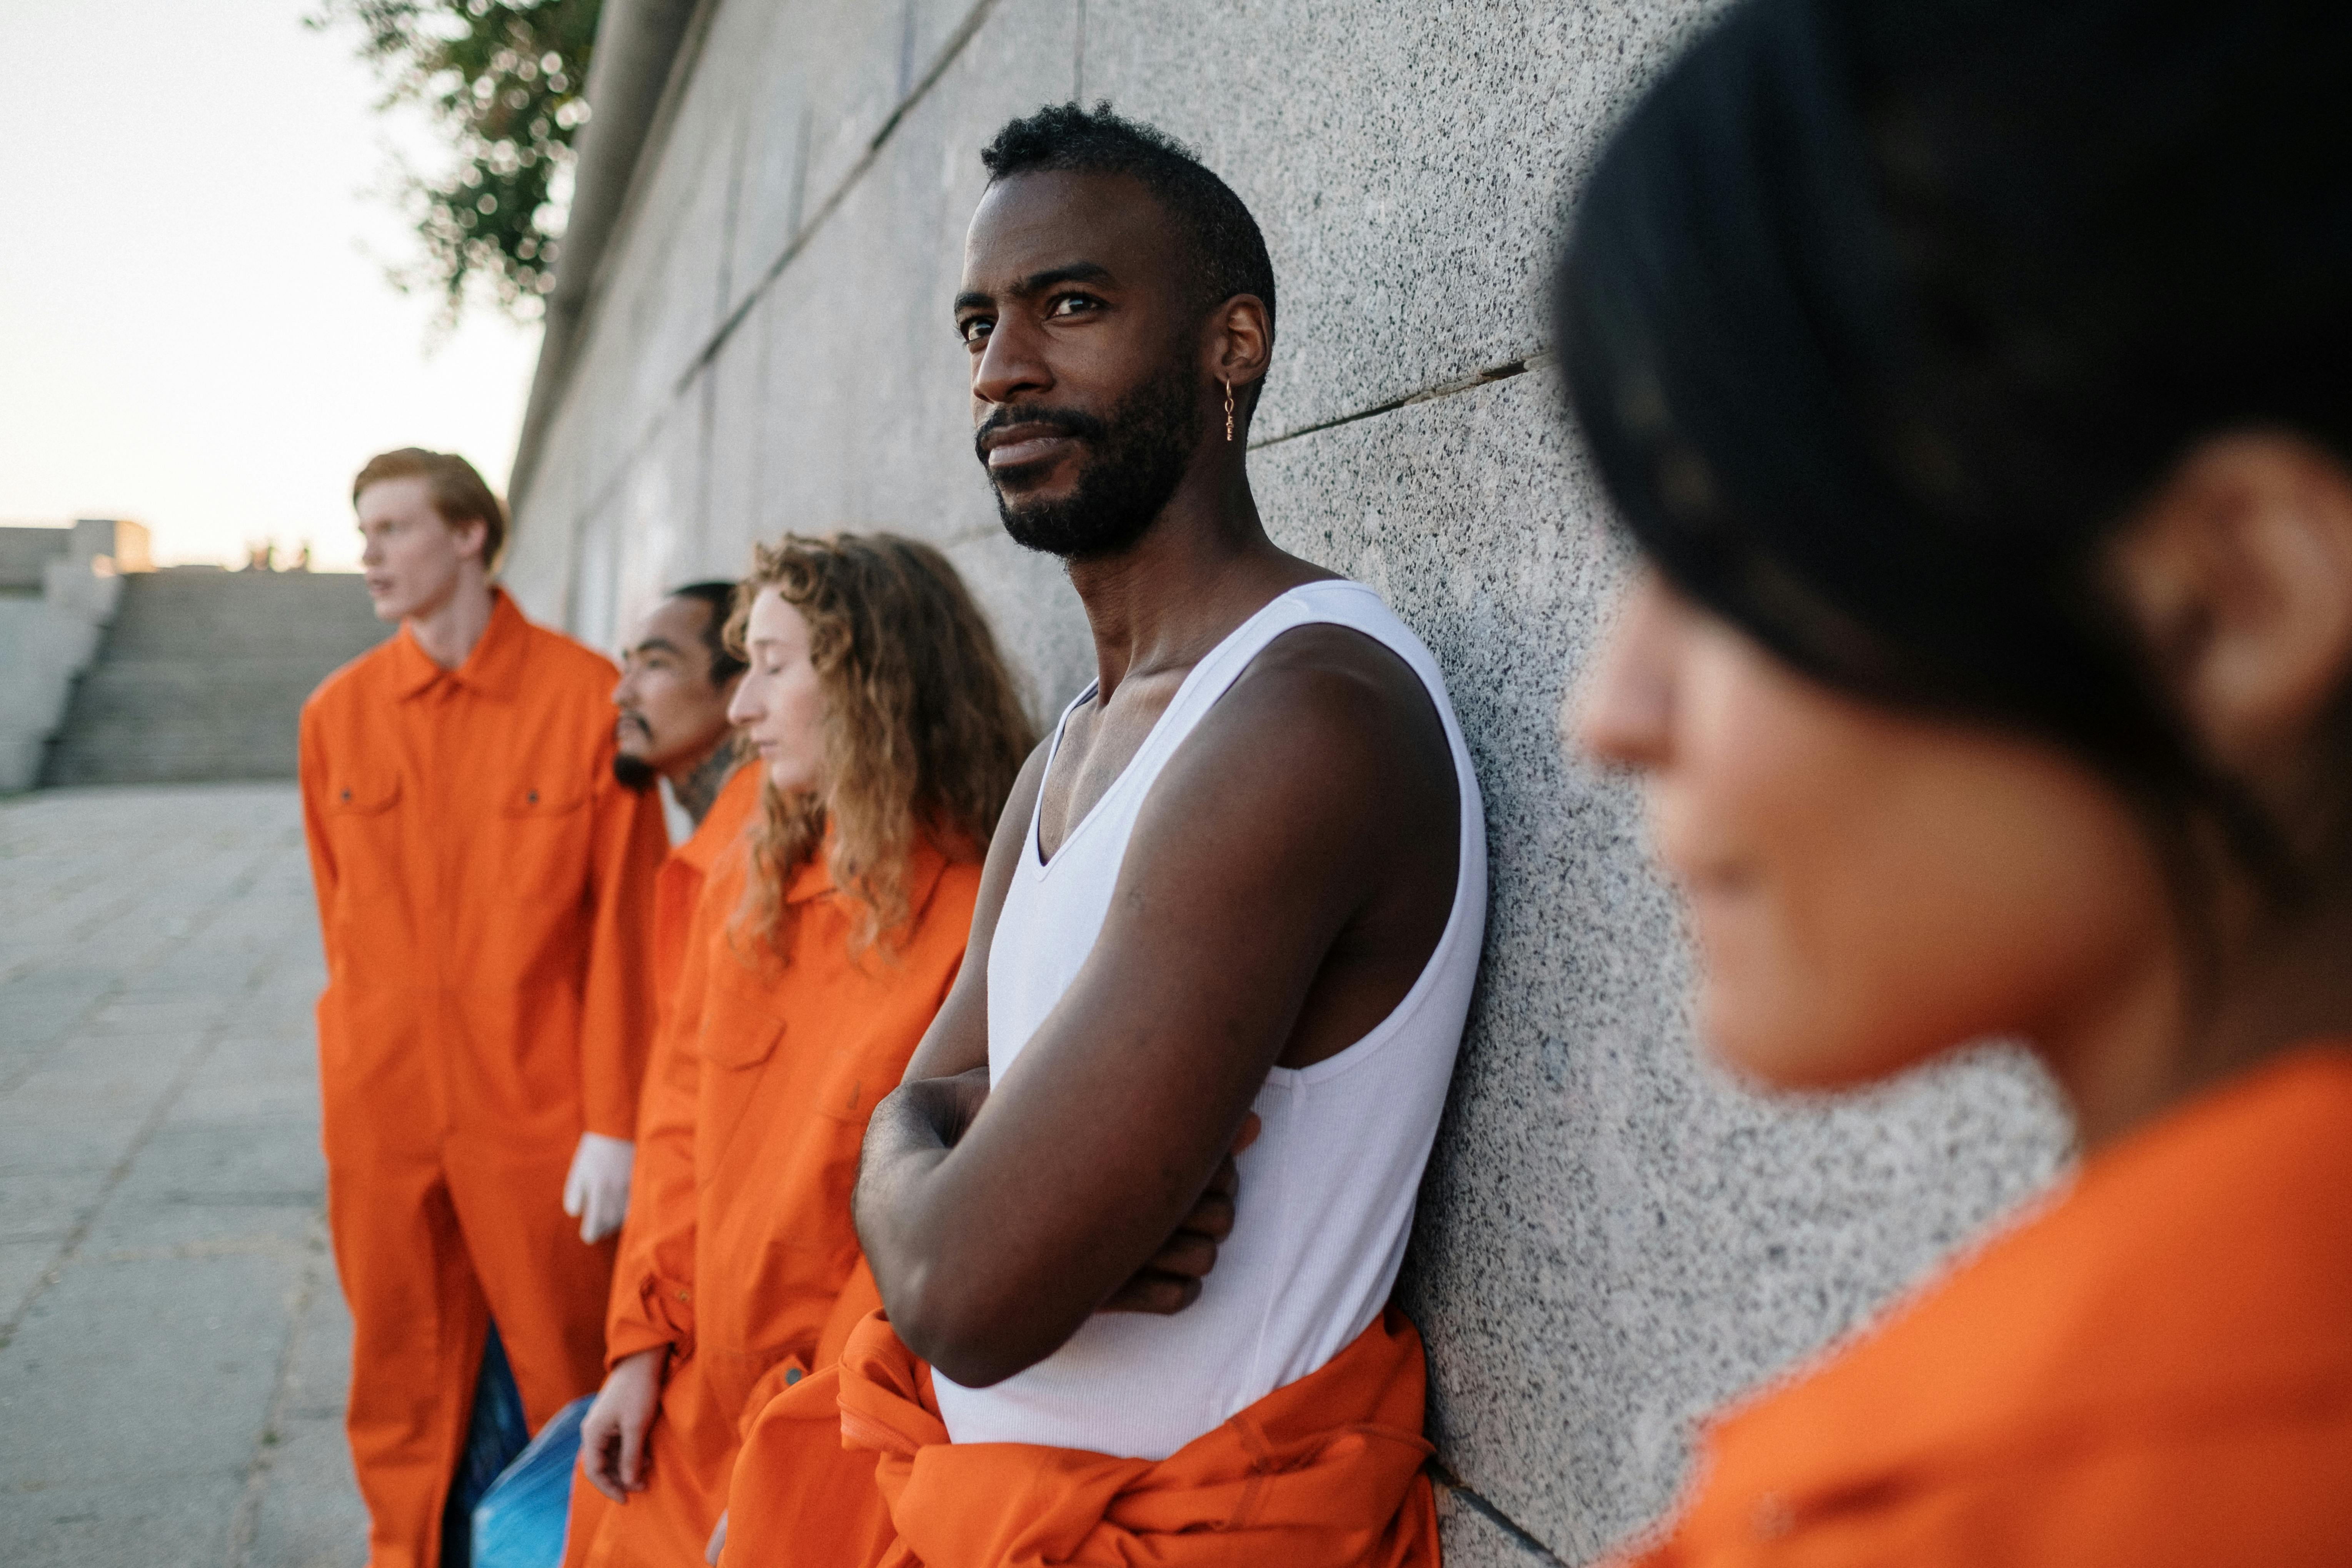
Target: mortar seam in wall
<point>965,32</point>
<point>1520,1536</point>
<point>1534,359</point>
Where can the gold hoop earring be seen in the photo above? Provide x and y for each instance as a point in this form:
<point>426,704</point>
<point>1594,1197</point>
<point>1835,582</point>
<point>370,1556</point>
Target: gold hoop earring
<point>1229,410</point>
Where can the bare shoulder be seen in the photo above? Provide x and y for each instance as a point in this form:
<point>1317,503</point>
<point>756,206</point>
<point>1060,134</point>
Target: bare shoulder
<point>1335,688</point>
<point>1328,732</point>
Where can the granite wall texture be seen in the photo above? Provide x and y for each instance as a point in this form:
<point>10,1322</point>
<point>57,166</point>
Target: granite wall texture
<point>1613,1238</point>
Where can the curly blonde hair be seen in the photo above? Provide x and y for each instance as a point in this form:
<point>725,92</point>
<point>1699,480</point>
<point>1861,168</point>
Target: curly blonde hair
<point>924,727</point>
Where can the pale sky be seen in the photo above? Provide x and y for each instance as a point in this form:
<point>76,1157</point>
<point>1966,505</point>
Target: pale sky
<point>196,330</point>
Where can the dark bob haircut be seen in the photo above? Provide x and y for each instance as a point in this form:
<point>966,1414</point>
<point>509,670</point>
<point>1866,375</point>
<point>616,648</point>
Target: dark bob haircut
<point>1880,319</point>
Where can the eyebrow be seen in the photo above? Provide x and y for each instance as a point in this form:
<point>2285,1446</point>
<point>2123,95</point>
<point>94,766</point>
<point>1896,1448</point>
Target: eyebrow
<point>1037,283</point>
<point>655,645</point>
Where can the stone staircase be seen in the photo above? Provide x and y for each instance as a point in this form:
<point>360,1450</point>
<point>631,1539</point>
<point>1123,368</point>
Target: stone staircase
<point>202,673</point>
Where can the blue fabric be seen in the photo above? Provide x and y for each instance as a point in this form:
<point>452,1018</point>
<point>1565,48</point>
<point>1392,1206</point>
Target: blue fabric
<point>519,1522</point>
<point>495,1433</point>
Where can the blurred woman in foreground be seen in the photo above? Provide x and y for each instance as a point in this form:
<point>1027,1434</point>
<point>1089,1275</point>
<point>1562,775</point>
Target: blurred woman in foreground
<point>889,732</point>
<point>1975,379</point>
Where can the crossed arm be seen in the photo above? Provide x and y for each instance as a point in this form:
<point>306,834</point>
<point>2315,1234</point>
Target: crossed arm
<point>1286,879</point>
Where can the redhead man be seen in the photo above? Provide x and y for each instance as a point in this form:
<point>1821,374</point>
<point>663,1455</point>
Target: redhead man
<point>484,887</point>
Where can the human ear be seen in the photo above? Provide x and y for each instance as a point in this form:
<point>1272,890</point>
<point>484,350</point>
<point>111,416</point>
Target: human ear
<point>473,534</point>
<point>1241,340</point>
<point>2239,575</point>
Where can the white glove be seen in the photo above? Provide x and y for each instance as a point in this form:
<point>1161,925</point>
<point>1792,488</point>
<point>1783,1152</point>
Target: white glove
<point>596,1193</point>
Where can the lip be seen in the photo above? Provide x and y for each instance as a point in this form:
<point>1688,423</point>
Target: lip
<point>1017,445</point>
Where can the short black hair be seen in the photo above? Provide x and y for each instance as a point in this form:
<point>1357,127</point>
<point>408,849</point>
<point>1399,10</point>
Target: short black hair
<point>719,598</point>
<point>1228,251</point>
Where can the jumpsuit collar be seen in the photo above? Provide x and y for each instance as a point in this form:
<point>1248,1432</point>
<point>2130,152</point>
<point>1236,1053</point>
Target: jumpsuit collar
<point>494,669</point>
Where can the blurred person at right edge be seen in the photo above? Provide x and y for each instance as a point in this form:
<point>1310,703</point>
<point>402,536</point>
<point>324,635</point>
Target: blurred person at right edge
<point>888,733</point>
<point>1973,377</point>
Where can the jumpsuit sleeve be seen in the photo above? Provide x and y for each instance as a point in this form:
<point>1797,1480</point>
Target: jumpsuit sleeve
<point>312,768</point>
<point>618,1011</point>
<point>653,1278</point>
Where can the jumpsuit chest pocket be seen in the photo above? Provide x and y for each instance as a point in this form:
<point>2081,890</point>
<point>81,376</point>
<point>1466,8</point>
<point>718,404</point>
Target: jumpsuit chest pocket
<point>363,832</point>
<point>741,1026</point>
<point>545,853</point>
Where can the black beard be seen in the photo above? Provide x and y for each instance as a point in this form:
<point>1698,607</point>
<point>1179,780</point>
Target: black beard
<point>1135,460</point>
<point>634,774</point>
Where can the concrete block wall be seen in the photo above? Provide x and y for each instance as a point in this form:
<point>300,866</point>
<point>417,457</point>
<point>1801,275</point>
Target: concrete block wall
<point>1613,1237</point>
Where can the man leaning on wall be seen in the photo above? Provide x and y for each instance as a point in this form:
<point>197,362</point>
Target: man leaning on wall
<point>1140,1200</point>
<point>485,893</point>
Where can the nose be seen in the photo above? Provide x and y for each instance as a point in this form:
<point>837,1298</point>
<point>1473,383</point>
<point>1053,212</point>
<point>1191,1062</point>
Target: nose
<point>743,708</point>
<point>1624,712</point>
<point>1011,364</point>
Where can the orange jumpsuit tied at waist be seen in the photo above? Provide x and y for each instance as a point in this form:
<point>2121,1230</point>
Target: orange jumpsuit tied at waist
<point>485,889</point>
<point>742,1248</point>
<point>1325,1472</point>
<point>2155,1372</point>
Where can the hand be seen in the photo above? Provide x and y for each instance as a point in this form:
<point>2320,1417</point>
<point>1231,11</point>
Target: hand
<point>718,1541</point>
<point>1172,1281</point>
<point>596,1193</point>
<point>613,1433</point>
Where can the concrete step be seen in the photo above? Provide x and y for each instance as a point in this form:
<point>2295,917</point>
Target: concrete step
<point>203,674</point>
<point>218,615</point>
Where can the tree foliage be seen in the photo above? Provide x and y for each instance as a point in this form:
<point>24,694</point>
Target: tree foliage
<point>504,81</point>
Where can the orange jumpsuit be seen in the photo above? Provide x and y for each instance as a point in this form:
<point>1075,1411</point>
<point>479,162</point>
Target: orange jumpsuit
<point>1325,1472</point>
<point>677,889</point>
<point>770,1070</point>
<point>484,891</point>
<point>2155,1372</point>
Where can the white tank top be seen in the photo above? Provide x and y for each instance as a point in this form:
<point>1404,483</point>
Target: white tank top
<point>1326,1190</point>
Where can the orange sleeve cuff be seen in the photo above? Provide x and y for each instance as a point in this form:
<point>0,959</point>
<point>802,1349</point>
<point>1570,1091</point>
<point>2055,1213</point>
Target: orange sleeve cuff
<point>660,1314</point>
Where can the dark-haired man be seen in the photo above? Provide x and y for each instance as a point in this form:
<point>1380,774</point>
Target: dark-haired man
<point>1235,907</point>
<point>483,887</point>
<point>677,678</point>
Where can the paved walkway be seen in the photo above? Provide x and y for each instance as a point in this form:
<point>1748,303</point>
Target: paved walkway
<point>173,1346</point>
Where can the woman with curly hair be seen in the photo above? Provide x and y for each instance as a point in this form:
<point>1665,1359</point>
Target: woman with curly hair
<point>1972,375</point>
<point>889,732</point>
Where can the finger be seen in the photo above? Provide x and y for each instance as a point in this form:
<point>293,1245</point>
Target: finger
<point>596,1458</point>
<point>717,1542</point>
<point>1226,1179</point>
<point>1184,1255</point>
<point>633,1454</point>
<point>1160,1295</point>
<point>1251,1125</point>
<point>573,1201</point>
<point>1212,1216</point>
